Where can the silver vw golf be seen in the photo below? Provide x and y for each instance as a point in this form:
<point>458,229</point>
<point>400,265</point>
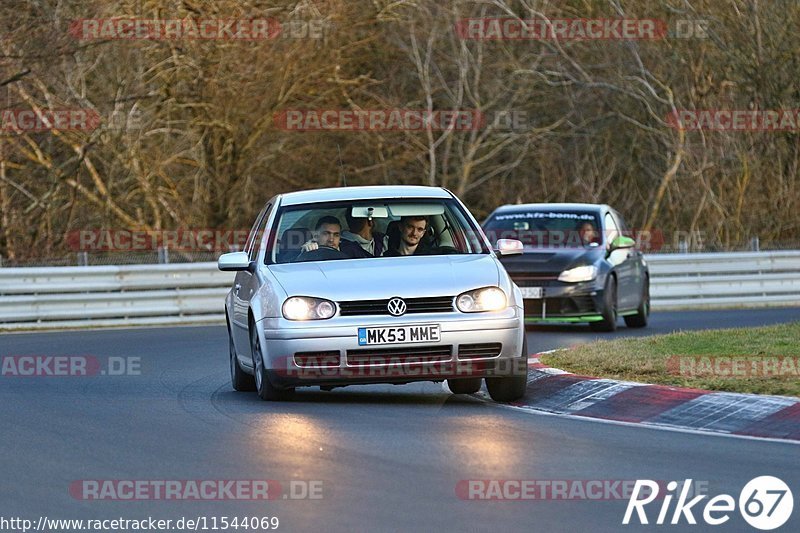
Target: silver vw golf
<point>386,284</point>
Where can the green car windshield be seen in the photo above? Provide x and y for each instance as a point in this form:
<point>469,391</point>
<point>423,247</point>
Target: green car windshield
<point>546,229</point>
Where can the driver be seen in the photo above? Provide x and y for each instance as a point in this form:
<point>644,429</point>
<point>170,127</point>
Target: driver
<point>587,233</point>
<point>327,234</point>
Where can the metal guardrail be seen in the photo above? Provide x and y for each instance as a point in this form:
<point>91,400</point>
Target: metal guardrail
<point>57,297</point>
<point>735,279</point>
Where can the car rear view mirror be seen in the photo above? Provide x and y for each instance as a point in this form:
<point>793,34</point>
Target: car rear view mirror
<point>233,261</point>
<point>369,211</point>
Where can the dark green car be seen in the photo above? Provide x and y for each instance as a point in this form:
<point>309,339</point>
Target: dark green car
<point>577,264</point>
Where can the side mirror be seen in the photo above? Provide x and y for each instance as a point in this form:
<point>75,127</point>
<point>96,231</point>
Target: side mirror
<point>622,242</point>
<point>508,247</point>
<point>233,261</point>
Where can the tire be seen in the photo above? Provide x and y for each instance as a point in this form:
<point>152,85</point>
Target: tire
<point>464,385</point>
<point>509,389</point>
<point>639,320</point>
<point>609,322</point>
<point>264,387</point>
<point>240,380</point>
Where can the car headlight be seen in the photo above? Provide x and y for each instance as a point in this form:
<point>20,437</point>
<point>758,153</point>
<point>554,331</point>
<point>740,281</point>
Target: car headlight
<point>486,299</point>
<point>305,308</point>
<point>581,273</point>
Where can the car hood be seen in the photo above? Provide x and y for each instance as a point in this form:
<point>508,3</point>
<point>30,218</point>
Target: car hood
<point>551,261</point>
<point>385,277</point>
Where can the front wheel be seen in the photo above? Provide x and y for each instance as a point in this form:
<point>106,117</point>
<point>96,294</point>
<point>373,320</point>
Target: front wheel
<point>639,320</point>
<point>609,312</point>
<point>240,380</point>
<point>509,389</point>
<point>464,385</point>
<point>264,387</point>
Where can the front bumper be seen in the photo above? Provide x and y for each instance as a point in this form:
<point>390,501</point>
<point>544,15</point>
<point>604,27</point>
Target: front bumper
<point>327,352</point>
<point>566,302</point>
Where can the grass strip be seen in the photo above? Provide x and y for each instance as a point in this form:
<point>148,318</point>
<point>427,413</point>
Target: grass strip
<point>762,360</point>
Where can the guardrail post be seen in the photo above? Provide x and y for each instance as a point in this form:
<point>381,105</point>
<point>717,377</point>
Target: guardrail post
<point>83,259</point>
<point>163,254</point>
<point>754,244</point>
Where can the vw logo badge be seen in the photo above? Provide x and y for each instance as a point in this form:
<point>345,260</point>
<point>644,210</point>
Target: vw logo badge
<point>396,307</point>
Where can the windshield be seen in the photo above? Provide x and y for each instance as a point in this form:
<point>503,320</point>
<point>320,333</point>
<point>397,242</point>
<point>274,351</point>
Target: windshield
<point>545,228</point>
<point>372,228</point>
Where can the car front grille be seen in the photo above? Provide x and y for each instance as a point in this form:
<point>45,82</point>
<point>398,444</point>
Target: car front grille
<point>525,279</point>
<point>386,356</point>
<point>474,351</point>
<point>575,305</point>
<point>436,304</point>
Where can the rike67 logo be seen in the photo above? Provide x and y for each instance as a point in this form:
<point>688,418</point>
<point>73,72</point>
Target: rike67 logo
<point>765,503</point>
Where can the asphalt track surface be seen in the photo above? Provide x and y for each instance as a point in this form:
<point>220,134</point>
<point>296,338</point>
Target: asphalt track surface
<point>389,457</point>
